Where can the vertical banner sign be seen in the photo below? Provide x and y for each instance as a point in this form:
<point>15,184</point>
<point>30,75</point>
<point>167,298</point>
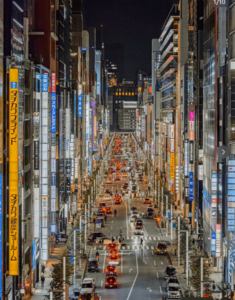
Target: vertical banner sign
<point>213,238</point>
<point>186,159</point>
<point>13,172</point>
<point>80,105</point>
<point>218,240</point>
<point>172,165</point>
<point>1,258</point>
<point>214,197</point>
<point>191,186</point>
<point>231,195</point>
<point>44,166</point>
<point>53,152</point>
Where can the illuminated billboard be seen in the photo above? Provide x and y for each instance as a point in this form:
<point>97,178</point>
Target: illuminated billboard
<point>13,172</point>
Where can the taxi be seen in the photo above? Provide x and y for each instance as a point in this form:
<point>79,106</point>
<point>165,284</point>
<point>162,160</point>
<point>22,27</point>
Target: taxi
<point>111,271</point>
<point>111,282</point>
<point>147,201</point>
<point>124,174</point>
<point>112,246</point>
<point>117,178</point>
<point>114,252</point>
<point>108,210</point>
<point>109,181</point>
<point>113,259</point>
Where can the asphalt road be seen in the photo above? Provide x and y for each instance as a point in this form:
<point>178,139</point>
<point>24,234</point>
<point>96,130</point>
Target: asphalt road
<point>141,271</point>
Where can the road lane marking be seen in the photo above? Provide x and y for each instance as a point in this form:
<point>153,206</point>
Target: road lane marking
<point>152,247</point>
<point>160,289</point>
<point>104,262</point>
<point>122,264</point>
<point>137,273</point>
<point>152,252</point>
<point>161,262</point>
<point>154,263</point>
<point>147,247</point>
<point>157,275</point>
<point>101,283</point>
<point>154,239</point>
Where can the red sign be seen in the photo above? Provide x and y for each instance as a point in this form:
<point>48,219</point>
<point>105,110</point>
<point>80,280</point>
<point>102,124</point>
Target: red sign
<point>53,82</point>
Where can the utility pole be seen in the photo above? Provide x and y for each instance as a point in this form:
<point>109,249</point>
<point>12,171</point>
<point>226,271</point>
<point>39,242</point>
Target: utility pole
<point>186,231</point>
<point>178,241</point>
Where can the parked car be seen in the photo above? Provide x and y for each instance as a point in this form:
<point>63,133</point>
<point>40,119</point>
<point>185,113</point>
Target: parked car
<point>61,237</point>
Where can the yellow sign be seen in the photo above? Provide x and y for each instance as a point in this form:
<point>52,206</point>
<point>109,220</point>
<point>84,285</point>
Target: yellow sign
<point>13,172</point>
<point>172,165</point>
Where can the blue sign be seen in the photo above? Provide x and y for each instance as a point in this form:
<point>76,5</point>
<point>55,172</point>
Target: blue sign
<point>213,237</point>
<point>174,224</point>
<point>100,136</point>
<point>98,221</point>
<point>45,82</point>
<point>53,112</point>
<point>1,270</point>
<point>190,215</point>
<point>13,85</point>
<point>34,254</point>
<point>80,106</point>
<point>71,259</point>
<point>191,186</point>
<point>87,137</point>
<point>169,214</point>
<point>53,178</point>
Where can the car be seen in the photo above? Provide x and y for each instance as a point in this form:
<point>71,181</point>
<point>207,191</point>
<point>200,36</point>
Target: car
<point>133,218</point>
<point>151,206</point>
<point>112,246</point>
<point>61,237</point>
<point>170,271</point>
<point>114,252</point>
<point>108,181</point>
<point>161,248</point>
<point>113,259</point>
<point>139,230</point>
<point>173,291</point>
<point>93,236</point>
<point>172,279</point>
<point>107,197</point>
<point>117,178</point>
<point>150,215</point>
<point>108,191</point>
<point>102,204</point>
<point>147,201</point>
<point>117,201</point>
<point>133,208</point>
<point>111,271</point>
<point>108,210</point>
<point>100,215</point>
<point>138,222</point>
<point>124,174</point>
<point>135,213</point>
<point>92,265</point>
<point>87,283</point>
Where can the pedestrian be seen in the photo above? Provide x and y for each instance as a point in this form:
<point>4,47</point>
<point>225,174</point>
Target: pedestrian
<point>213,285</point>
<point>176,205</point>
<point>42,279</point>
<point>72,223</point>
<point>141,242</point>
<point>113,239</point>
<point>42,268</point>
<point>94,221</point>
<point>232,294</point>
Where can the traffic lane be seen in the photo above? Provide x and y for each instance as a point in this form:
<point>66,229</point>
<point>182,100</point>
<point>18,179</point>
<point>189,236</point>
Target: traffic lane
<point>126,273</point>
<point>147,284</point>
<point>161,263</point>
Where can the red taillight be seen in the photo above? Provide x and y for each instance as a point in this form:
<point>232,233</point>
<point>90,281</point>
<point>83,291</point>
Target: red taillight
<point>115,282</point>
<point>107,270</point>
<point>106,283</point>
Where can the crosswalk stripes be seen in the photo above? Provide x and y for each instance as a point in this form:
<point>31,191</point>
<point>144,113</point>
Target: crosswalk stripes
<point>129,247</point>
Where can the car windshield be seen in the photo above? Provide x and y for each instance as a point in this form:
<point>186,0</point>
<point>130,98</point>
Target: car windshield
<point>162,246</point>
<point>173,288</point>
<point>170,269</point>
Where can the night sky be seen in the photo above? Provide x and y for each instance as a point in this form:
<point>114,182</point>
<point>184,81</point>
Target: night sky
<point>129,27</point>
